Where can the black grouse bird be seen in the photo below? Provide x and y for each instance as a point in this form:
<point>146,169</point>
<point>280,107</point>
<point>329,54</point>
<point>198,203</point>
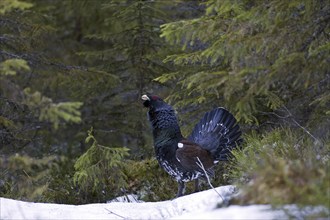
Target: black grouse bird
<point>187,159</point>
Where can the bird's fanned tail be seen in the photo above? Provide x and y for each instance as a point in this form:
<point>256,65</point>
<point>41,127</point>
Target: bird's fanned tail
<point>217,132</point>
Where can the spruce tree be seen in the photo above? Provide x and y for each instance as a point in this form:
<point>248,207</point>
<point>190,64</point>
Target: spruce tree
<point>32,116</point>
<point>258,58</point>
<point>133,51</point>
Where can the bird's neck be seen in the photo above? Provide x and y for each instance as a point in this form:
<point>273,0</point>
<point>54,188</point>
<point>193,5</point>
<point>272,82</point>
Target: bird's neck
<point>164,137</point>
<point>165,126</point>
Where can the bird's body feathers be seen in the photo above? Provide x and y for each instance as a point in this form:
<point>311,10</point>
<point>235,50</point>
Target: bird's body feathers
<point>212,139</point>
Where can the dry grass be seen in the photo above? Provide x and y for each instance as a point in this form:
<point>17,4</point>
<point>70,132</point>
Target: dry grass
<point>282,167</point>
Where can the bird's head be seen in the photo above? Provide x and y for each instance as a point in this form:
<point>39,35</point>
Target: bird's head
<point>153,102</point>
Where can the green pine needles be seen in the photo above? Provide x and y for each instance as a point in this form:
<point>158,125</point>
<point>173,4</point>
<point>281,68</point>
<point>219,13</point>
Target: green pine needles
<point>12,66</point>
<point>245,53</point>
<point>99,170</point>
<point>52,112</point>
<point>10,5</point>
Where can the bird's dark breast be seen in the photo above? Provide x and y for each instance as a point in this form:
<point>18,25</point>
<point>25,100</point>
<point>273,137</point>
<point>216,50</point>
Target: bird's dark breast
<point>163,119</point>
<point>167,160</point>
<point>167,134</point>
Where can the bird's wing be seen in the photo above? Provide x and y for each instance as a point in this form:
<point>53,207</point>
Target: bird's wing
<point>217,132</point>
<point>190,155</point>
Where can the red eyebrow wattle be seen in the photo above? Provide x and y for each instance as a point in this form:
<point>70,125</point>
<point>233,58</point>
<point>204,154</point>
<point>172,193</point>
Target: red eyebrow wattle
<point>154,97</point>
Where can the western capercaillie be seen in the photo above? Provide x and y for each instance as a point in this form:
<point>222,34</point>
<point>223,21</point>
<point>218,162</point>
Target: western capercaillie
<point>185,159</point>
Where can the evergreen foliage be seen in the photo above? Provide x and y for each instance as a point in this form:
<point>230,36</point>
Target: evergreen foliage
<point>26,94</point>
<point>133,51</point>
<point>32,115</point>
<point>66,66</point>
<point>147,180</point>
<point>99,171</point>
<point>12,66</point>
<point>10,5</point>
<point>60,187</point>
<point>253,57</point>
<point>25,177</point>
<point>53,112</point>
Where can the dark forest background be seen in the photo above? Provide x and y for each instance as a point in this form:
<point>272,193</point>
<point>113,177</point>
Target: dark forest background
<point>72,72</point>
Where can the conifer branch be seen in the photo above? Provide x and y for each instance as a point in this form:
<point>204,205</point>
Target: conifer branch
<point>318,31</point>
<point>33,59</point>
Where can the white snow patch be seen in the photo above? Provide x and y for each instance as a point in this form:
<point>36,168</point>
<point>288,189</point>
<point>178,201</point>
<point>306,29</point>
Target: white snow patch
<point>127,198</point>
<point>201,205</point>
<point>237,212</point>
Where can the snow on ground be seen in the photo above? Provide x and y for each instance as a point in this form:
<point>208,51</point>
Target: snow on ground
<point>200,205</point>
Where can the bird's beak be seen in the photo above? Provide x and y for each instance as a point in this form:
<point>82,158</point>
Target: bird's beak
<point>145,98</point>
